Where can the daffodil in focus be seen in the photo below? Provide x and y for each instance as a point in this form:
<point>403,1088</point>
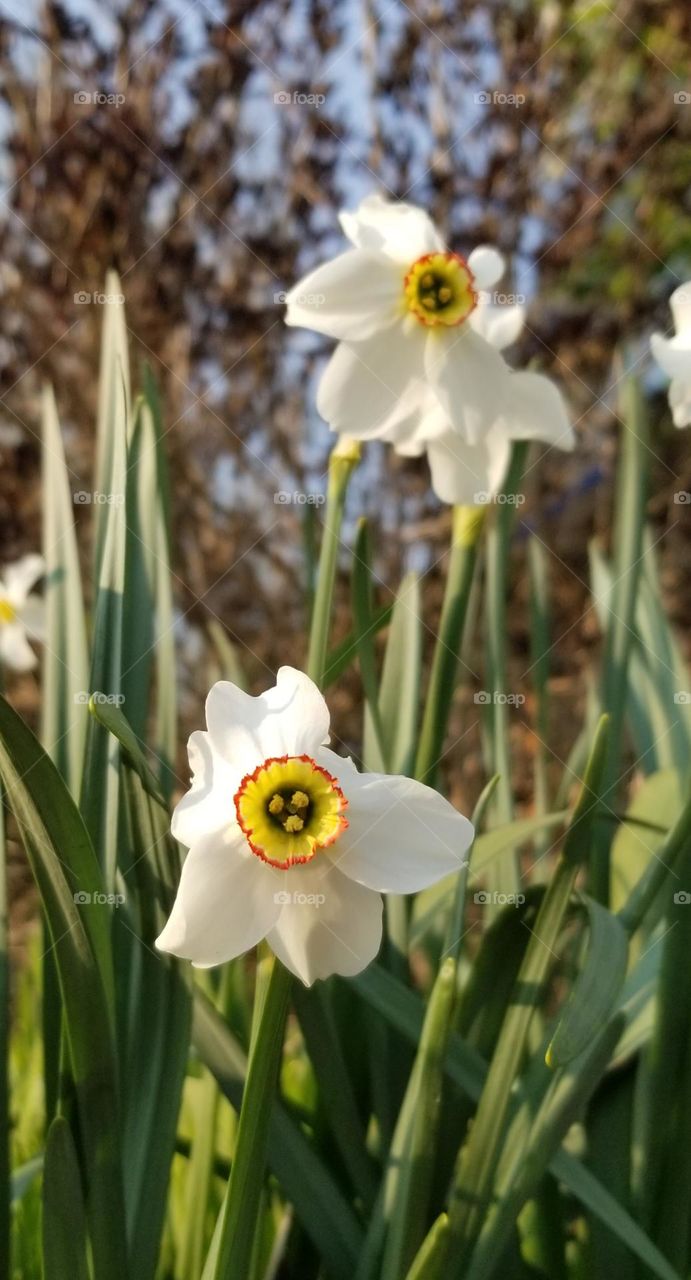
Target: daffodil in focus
<point>419,363</point>
<point>21,614</point>
<point>674,356</point>
<point>288,842</point>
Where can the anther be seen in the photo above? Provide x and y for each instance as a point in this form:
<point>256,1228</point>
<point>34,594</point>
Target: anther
<point>293,823</point>
<point>276,804</point>
<point>299,800</point>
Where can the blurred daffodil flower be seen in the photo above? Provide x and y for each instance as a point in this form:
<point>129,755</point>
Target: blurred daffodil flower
<point>21,614</point>
<point>674,356</point>
<point>288,842</point>
<point>419,360</point>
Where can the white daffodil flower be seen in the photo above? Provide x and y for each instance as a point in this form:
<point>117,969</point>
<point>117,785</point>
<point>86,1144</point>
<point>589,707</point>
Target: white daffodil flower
<point>21,614</point>
<point>288,842</point>
<point>674,356</point>
<point>419,361</point>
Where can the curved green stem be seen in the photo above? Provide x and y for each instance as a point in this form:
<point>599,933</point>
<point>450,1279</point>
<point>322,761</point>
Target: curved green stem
<point>467,527</point>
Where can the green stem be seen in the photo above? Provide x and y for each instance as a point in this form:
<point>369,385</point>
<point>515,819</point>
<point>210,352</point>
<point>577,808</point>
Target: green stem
<point>467,526</point>
<point>621,608</point>
<point>234,1241</point>
<point>5,1268</point>
<point>243,1196</point>
<point>342,463</point>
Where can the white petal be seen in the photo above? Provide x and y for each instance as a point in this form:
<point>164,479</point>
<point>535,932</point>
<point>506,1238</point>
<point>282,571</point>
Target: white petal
<point>33,617</point>
<point>536,411</point>
<point>291,719</point>
<point>680,402</point>
<point>673,355</point>
<point>487,265</point>
<point>401,835</point>
<point>226,902</point>
<point>402,232</point>
<point>21,576</point>
<point>499,325</point>
<point>680,302</point>
<point>352,296</point>
<point>469,474</point>
<point>208,805</point>
<point>469,377</point>
<point>376,389</point>
<point>329,924</point>
<point>15,650</point>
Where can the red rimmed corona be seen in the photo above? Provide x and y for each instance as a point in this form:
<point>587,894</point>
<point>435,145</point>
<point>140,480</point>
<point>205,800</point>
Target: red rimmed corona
<point>440,289</point>
<point>289,808</point>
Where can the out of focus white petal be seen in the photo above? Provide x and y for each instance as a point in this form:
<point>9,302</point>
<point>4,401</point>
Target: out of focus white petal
<point>369,390</point>
<point>469,474</point>
<point>498,325</point>
<point>401,231</point>
<point>536,410</point>
<point>487,266</point>
<point>673,355</point>
<point>15,650</point>
<point>21,576</point>
<point>680,402</point>
<point>353,296</point>
<point>469,378</point>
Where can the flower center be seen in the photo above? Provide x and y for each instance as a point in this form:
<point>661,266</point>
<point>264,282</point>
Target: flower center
<point>289,808</point>
<point>439,289</point>
<point>7,611</point>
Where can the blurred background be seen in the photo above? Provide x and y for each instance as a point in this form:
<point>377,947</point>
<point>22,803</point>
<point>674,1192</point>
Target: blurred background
<point>203,150</point>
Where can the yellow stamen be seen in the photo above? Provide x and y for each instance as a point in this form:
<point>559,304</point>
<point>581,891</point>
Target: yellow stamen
<point>299,800</point>
<point>293,823</point>
<point>276,804</point>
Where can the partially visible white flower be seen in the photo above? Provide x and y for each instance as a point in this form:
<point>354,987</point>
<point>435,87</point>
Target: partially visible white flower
<point>288,842</point>
<point>674,356</point>
<point>21,614</point>
<point>419,363</point>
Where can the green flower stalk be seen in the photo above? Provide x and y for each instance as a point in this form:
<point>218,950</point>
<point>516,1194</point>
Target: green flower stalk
<point>468,523</point>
